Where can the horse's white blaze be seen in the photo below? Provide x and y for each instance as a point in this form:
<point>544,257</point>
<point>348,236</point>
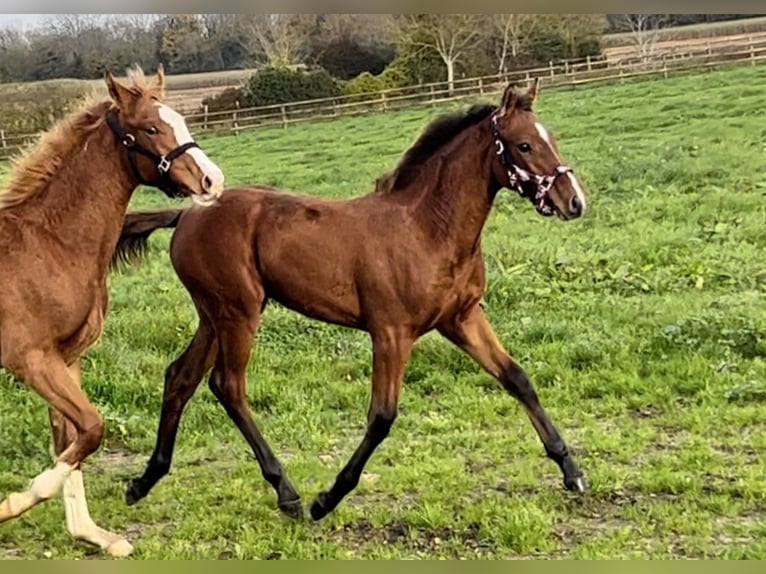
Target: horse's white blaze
<point>81,525</point>
<point>182,135</point>
<point>572,179</point>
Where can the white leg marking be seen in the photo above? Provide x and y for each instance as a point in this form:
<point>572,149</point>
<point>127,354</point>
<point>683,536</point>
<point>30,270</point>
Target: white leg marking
<point>81,525</point>
<point>45,485</point>
<point>206,165</point>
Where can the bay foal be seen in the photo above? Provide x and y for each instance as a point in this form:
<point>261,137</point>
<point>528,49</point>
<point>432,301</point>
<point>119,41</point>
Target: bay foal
<point>397,263</point>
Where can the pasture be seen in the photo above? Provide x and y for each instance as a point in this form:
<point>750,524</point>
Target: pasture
<point>642,325</point>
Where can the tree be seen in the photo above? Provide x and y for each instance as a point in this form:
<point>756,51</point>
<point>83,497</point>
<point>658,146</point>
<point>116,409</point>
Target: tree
<point>347,45</point>
<point>515,33</point>
<point>579,30</point>
<point>644,30</point>
<point>451,36</point>
<point>182,42</point>
<point>282,39</point>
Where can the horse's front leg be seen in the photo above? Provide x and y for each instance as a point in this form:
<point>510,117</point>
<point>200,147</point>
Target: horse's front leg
<point>391,350</point>
<point>473,334</point>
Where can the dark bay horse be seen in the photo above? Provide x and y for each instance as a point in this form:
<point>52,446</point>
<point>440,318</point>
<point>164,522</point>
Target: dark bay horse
<point>397,263</point>
<point>60,220</point>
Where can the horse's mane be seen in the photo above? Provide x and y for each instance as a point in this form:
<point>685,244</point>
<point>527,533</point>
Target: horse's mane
<point>34,168</point>
<point>438,133</point>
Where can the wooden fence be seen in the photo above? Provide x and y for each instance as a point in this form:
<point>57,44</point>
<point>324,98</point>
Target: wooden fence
<point>567,74</point>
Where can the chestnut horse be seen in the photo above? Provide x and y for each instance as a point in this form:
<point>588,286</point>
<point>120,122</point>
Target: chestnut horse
<point>60,220</point>
<point>396,263</point>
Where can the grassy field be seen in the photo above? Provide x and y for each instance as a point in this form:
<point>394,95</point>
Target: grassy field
<point>642,325</point>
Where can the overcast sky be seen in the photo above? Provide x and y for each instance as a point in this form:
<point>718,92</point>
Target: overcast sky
<point>22,20</point>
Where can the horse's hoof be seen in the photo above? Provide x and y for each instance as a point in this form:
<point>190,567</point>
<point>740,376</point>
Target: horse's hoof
<point>292,509</point>
<point>318,508</point>
<point>577,484</point>
<point>120,548</point>
<point>134,493</point>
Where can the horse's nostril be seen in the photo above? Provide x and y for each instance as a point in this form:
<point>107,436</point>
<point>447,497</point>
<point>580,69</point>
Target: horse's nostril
<point>207,183</point>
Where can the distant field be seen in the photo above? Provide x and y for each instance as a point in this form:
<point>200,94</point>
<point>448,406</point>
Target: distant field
<point>643,326</point>
<point>695,31</point>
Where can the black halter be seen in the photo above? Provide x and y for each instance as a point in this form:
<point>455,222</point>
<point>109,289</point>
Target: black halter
<point>163,162</point>
<point>518,176</point>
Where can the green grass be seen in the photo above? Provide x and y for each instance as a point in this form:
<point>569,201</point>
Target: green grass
<point>642,326</point>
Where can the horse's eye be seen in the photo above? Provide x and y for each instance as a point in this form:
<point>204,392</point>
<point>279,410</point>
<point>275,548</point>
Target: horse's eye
<point>525,147</point>
<point>153,131</point>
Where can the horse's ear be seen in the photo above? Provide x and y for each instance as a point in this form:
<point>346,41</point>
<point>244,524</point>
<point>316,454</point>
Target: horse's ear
<point>508,103</point>
<point>533,90</point>
<point>117,91</point>
<point>160,82</point>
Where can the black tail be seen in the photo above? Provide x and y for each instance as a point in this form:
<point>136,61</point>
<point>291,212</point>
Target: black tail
<point>138,226</point>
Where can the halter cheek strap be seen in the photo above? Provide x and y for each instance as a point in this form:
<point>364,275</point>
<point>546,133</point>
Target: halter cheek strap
<point>163,162</point>
<point>518,176</point>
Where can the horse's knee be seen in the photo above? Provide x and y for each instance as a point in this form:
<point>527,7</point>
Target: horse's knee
<point>381,422</point>
<point>516,381</point>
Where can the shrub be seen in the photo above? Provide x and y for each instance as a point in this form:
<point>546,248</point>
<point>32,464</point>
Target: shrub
<point>223,101</point>
<point>281,85</point>
<point>35,106</point>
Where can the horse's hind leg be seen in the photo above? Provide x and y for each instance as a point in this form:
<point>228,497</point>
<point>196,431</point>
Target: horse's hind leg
<point>49,376</point>
<point>229,384</point>
<point>182,378</point>
<point>474,335</point>
<point>78,519</point>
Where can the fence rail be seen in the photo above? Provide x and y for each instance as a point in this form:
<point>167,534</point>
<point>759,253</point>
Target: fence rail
<point>567,74</point>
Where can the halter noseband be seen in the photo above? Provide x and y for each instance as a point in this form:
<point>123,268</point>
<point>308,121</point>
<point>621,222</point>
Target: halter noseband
<point>163,162</point>
<point>518,176</point>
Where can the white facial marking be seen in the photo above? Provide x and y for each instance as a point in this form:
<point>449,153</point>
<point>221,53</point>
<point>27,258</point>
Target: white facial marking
<point>206,165</point>
<point>578,190</point>
<point>572,179</point>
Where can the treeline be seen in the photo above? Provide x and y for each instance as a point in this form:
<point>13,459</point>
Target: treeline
<point>421,48</point>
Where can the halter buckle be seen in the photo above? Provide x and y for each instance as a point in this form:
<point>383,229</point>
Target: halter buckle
<point>164,165</point>
<point>128,140</point>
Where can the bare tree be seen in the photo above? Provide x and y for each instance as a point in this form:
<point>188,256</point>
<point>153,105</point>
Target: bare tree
<point>450,35</point>
<point>282,39</point>
<point>644,30</point>
<point>515,33</point>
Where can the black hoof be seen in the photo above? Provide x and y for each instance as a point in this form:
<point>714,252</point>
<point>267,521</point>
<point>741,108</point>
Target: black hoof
<point>292,508</point>
<point>319,507</point>
<point>134,493</point>
<point>576,484</point>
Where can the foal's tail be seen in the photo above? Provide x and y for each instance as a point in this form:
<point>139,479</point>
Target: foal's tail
<point>137,228</point>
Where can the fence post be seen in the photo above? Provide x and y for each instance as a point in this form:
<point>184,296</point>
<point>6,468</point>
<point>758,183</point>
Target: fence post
<point>433,97</point>
<point>550,65</point>
<point>2,139</point>
<point>383,105</point>
<point>234,118</point>
<point>664,68</point>
<point>481,87</point>
<point>752,53</point>
<point>622,76</point>
<point>566,67</point>
<point>204,118</point>
<point>335,108</point>
<point>283,111</point>
<point>587,60</point>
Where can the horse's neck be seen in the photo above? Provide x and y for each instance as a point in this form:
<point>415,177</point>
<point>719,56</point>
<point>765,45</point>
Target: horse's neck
<point>458,200</point>
<point>85,203</point>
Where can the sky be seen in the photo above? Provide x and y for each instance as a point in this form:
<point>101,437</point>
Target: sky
<point>22,20</point>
